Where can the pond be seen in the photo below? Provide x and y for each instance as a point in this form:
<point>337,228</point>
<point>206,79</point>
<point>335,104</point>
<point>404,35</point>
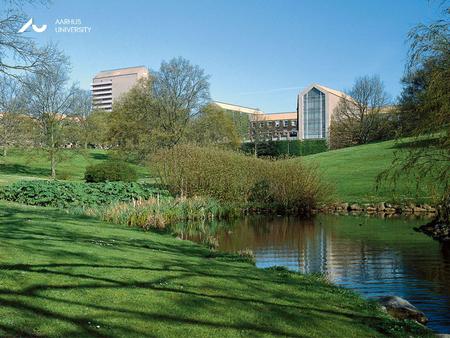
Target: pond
<point>373,256</point>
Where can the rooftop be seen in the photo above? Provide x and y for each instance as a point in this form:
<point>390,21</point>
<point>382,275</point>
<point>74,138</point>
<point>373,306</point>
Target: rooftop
<point>280,116</point>
<point>122,71</point>
<point>235,107</point>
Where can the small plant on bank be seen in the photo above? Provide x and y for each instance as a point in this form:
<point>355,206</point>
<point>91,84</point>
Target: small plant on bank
<point>247,255</point>
<point>110,171</point>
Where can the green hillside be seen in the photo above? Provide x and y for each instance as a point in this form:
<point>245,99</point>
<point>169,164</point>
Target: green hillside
<point>353,172</point>
<point>31,165</point>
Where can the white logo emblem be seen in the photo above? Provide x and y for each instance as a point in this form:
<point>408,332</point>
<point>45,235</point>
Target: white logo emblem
<point>35,28</point>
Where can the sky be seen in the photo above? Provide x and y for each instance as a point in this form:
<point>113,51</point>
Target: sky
<point>258,53</point>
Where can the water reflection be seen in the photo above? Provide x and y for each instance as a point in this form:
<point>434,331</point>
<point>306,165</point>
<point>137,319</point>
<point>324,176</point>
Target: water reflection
<point>373,256</point>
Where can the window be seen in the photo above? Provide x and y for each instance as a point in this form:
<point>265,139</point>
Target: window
<point>277,124</point>
<point>269,123</point>
<point>294,123</point>
<point>285,123</point>
<point>314,114</point>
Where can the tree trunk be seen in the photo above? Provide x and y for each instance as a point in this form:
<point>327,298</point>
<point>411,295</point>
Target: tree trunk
<point>53,164</point>
<point>53,154</point>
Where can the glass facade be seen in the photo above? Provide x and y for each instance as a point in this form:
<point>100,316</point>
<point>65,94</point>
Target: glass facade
<point>314,114</point>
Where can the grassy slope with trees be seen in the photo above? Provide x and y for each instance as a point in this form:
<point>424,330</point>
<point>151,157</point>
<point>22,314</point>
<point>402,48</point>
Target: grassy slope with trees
<point>26,165</point>
<point>97,279</point>
<point>352,171</point>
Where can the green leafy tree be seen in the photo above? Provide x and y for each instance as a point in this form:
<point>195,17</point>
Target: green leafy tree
<point>213,127</point>
<point>133,127</point>
<point>97,124</point>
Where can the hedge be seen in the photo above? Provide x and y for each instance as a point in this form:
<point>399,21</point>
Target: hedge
<point>111,171</point>
<point>290,148</point>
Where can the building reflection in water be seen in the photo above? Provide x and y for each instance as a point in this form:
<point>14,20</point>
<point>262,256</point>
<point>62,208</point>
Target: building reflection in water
<point>370,255</point>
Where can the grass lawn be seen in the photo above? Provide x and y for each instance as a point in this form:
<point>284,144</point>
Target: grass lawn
<point>31,165</point>
<point>63,275</point>
<point>353,172</point>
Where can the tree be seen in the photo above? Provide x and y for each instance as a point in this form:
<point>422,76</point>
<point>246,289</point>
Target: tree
<point>180,90</point>
<point>259,133</point>
<point>425,112</point>
<point>19,53</point>
<point>50,103</point>
<point>11,117</point>
<point>157,111</point>
<point>97,124</point>
<point>213,126</point>
<point>133,125</point>
<point>355,119</point>
<point>81,110</point>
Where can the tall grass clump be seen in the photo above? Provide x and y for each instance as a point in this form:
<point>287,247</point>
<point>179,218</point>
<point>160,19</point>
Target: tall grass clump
<point>233,177</point>
<point>163,212</point>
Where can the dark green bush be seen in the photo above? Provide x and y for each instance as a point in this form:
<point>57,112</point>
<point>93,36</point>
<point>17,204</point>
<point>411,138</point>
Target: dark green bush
<point>110,171</point>
<point>70,194</point>
<point>287,148</point>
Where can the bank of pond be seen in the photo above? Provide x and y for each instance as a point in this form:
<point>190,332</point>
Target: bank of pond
<point>374,256</point>
<point>74,275</point>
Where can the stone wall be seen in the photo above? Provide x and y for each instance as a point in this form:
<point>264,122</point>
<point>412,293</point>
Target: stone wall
<point>380,208</point>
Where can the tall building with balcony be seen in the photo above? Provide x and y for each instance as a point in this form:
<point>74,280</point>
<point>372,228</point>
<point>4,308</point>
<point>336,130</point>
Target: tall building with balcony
<point>315,106</point>
<point>108,85</point>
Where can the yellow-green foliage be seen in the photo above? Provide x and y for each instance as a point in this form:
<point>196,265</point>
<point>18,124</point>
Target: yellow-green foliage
<point>295,186</point>
<point>162,211</point>
<point>233,177</point>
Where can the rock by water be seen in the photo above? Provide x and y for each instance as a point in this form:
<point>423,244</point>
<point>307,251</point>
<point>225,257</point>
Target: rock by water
<point>400,308</point>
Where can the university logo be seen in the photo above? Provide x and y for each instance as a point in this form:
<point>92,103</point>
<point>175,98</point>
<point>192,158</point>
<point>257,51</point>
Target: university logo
<point>35,28</point>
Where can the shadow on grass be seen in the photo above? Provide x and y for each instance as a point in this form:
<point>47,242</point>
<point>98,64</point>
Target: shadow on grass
<point>100,156</point>
<point>416,144</point>
<point>19,169</point>
<point>93,279</point>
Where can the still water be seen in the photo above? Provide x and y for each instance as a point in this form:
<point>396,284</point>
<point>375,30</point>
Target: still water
<point>373,256</point>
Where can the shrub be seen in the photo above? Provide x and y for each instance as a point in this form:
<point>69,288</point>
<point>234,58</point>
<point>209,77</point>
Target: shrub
<point>71,194</point>
<point>232,177</point>
<point>110,171</point>
<point>294,186</point>
<point>207,171</point>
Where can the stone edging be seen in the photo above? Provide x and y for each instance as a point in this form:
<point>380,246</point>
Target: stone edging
<point>380,208</point>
